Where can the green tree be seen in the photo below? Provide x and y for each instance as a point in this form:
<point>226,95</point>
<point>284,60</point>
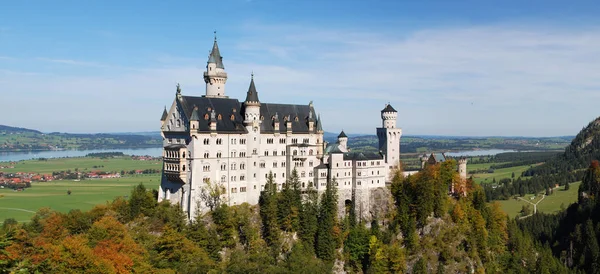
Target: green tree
<point>141,201</point>
<point>268,212</point>
<point>325,240</point>
<point>309,219</point>
<point>420,267</point>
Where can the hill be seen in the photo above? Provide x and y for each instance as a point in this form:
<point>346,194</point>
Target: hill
<point>584,148</point>
<point>23,139</point>
<point>564,168</point>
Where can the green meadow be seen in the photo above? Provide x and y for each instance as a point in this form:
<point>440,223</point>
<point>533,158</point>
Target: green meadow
<point>550,204</point>
<point>85,194</point>
<point>82,164</point>
<point>498,174</point>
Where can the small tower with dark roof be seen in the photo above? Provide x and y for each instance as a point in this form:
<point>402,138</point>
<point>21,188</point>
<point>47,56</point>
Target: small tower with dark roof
<point>194,121</point>
<point>163,118</point>
<point>252,106</point>
<point>389,136</point>
<point>215,76</point>
<point>343,140</point>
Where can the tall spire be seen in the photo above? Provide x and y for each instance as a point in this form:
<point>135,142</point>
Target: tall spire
<point>319,126</point>
<point>164,115</point>
<point>215,55</point>
<point>252,95</point>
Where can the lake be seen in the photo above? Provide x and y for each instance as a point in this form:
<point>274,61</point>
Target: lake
<point>157,151</point>
<point>482,152</point>
<point>28,155</point>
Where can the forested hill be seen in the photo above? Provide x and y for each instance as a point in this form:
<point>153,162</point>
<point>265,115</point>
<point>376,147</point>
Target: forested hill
<point>584,148</point>
<point>9,129</point>
<point>22,139</point>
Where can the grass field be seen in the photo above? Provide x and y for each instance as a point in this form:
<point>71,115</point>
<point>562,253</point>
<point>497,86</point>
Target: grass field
<point>85,195</point>
<point>83,164</point>
<point>498,174</point>
<point>550,204</point>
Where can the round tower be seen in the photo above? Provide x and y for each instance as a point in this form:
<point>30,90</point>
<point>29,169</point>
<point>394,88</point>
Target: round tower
<point>343,140</point>
<point>252,106</point>
<point>388,117</point>
<point>462,168</point>
<point>215,76</point>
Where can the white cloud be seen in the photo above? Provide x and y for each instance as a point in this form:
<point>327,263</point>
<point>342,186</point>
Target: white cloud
<point>468,80</point>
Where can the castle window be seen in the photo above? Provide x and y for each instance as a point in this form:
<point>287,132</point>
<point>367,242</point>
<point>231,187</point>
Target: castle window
<point>223,178</point>
<point>282,164</point>
<point>242,189</point>
<point>183,167</point>
<point>233,190</point>
<point>274,164</point>
<point>296,119</point>
<point>206,116</point>
<point>262,118</point>
<point>193,126</point>
<point>243,178</point>
<point>310,152</point>
<point>310,164</point>
<point>266,153</point>
<point>234,110</point>
<point>206,141</point>
<point>282,175</point>
<point>206,155</point>
<point>223,166</point>
<point>220,117</point>
<point>178,123</point>
<point>218,154</point>
<point>310,174</point>
<point>232,117</point>
<point>242,166</point>
<point>283,153</point>
<point>295,152</point>
<point>262,165</point>
<point>303,184</point>
<point>274,152</point>
<point>254,152</point>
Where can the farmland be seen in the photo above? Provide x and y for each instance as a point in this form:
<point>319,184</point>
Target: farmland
<point>20,205</point>
<point>550,204</point>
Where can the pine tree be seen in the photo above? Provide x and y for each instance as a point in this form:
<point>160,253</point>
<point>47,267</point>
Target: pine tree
<point>268,212</point>
<point>309,219</point>
<point>325,240</point>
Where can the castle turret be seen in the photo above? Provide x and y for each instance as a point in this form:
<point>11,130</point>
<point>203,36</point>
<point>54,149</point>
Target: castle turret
<point>320,141</point>
<point>389,136</point>
<point>194,121</point>
<point>163,118</point>
<point>252,106</point>
<point>343,140</point>
<point>462,168</point>
<point>215,75</point>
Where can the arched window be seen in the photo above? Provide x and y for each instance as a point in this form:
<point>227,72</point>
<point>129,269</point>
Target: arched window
<point>310,152</point>
<point>295,152</point>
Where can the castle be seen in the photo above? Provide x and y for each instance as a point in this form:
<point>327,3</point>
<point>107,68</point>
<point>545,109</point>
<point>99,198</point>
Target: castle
<point>235,145</point>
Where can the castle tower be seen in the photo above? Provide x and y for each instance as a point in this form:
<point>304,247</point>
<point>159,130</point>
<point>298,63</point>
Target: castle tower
<point>343,141</point>
<point>389,136</point>
<point>462,168</point>
<point>215,75</point>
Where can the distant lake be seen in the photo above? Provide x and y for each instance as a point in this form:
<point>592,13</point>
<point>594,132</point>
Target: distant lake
<point>28,155</point>
<point>157,151</point>
<point>482,152</point>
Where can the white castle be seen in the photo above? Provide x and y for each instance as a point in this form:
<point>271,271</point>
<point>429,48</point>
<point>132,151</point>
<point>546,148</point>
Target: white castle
<point>217,139</point>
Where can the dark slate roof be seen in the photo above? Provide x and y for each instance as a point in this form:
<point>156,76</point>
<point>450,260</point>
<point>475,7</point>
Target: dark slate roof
<point>388,108</point>
<point>362,156</point>
<point>268,111</point>
<point>226,106</point>
<point>322,166</point>
<point>333,148</point>
<point>438,157</point>
<point>164,115</point>
<point>215,56</point>
<point>252,95</point>
<point>319,126</point>
<point>342,135</point>
<point>223,106</point>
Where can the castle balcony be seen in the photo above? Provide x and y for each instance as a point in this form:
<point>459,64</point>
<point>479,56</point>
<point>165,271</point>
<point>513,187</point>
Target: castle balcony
<point>175,170</point>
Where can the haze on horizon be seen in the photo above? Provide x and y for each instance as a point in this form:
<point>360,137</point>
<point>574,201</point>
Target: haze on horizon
<point>464,68</point>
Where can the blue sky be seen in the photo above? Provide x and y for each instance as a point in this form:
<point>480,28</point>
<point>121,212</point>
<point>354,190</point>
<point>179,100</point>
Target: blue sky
<point>472,68</point>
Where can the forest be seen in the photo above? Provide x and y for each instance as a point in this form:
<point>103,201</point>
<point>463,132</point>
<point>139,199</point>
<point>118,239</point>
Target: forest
<point>424,230</point>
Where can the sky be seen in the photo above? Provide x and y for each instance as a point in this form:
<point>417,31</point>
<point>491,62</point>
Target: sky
<point>460,68</point>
